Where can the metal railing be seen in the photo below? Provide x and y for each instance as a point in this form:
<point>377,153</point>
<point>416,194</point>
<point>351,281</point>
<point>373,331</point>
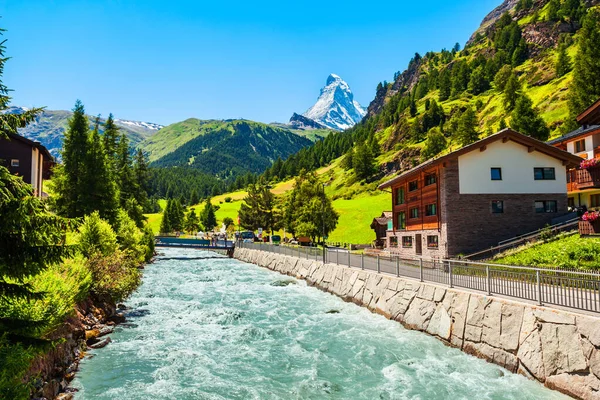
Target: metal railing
<point>566,288</point>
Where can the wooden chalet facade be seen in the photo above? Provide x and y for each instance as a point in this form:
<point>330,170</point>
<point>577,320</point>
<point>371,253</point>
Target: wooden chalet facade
<point>468,200</point>
<point>583,181</point>
<point>26,158</point>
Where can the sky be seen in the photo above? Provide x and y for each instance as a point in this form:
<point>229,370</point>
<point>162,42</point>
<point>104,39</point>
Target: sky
<point>165,61</point>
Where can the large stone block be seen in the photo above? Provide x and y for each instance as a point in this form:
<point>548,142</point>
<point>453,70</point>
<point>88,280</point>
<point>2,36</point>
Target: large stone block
<point>530,355</point>
<point>419,313</point>
<point>561,349</point>
<point>440,323</point>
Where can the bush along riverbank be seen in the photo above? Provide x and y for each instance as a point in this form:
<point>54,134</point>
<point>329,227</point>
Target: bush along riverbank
<point>60,283</point>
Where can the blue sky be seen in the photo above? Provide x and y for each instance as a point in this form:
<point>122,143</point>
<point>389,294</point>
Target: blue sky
<point>165,61</point>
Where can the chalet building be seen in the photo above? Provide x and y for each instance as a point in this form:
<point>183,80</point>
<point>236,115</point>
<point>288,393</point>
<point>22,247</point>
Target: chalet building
<point>381,225</point>
<point>26,158</point>
<point>468,200</point>
<point>583,182</point>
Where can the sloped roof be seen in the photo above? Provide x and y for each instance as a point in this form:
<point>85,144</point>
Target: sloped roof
<point>38,145</point>
<point>574,135</point>
<point>509,134</point>
<point>591,116</point>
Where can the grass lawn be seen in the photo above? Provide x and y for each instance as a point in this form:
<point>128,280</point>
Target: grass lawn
<point>569,251</point>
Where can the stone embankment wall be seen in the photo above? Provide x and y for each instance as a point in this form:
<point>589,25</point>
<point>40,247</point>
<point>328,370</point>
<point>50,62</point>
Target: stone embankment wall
<point>558,348</point>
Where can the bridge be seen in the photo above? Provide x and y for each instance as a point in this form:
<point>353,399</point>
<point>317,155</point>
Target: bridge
<point>226,246</point>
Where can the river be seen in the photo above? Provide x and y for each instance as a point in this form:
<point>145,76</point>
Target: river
<point>206,327</point>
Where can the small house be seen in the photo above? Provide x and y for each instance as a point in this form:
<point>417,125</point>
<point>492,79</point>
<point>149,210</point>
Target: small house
<point>499,187</point>
<point>26,158</point>
<point>381,225</point>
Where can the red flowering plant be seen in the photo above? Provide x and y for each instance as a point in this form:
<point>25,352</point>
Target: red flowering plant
<point>585,164</point>
<point>590,216</point>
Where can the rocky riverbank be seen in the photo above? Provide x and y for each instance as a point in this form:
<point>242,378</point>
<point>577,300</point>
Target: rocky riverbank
<point>557,348</point>
<point>89,326</point>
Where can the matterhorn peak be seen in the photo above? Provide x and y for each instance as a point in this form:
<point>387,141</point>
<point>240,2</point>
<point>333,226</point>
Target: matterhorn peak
<point>336,108</point>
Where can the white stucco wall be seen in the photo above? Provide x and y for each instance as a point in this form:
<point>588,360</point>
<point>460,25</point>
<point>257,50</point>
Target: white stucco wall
<point>590,143</point>
<point>517,171</point>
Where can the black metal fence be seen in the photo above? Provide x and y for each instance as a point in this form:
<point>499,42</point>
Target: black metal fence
<point>573,289</point>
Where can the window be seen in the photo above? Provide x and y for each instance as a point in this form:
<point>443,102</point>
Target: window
<point>412,186</point>
<point>400,197</point>
<point>545,206</point>
<point>594,200</point>
<point>432,242</point>
<point>14,163</point>
<point>580,146</point>
<point>497,207</point>
<point>393,241</point>
<point>496,174</point>
<point>544,174</point>
<point>414,213</point>
<point>430,210</point>
<point>407,241</point>
<point>402,220</point>
<point>430,179</point>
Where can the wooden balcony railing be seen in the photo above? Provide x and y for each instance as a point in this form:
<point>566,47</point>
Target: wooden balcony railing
<point>589,228</point>
<point>578,179</point>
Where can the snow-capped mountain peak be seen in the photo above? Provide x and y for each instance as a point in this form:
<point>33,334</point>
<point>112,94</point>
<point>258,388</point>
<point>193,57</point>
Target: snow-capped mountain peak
<point>139,124</point>
<point>336,107</point>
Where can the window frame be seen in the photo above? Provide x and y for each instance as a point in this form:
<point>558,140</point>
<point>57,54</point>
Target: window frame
<point>416,182</point>
<point>580,148</point>
<point>433,244</point>
<point>398,191</point>
<point>545,204</point>
<point>430,179</point>
<point>392,239</point>
<point>407,242</point>
<point>496,210</point>
<point>410,213</point>
<point>427,208</point>
<point>401,226</point>
<point>499,169</point>
<point>15,163</point>
<point>594,200</point>
<point>543,176</point>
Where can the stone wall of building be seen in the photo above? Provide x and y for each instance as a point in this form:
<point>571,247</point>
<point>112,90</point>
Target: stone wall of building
<point>558,348</point>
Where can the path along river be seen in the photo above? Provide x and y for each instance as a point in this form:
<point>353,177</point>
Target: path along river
<point>217,328</point>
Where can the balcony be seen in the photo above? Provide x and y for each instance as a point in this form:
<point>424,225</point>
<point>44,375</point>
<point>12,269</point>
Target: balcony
<point>587,228</point>
<point>581,179</point>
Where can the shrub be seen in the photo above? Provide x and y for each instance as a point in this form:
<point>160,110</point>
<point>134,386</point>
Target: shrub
<point>96,236</point>
<point>148,242</point>
<point>129,237</point>
<point>15,361</point>
<point>227,199</point>
<point>114,277</point>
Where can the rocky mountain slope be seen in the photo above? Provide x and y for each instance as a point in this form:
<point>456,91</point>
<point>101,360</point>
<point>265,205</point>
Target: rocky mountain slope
<point>50,125</point>
<point>335,108</point>
<point>222,148</point>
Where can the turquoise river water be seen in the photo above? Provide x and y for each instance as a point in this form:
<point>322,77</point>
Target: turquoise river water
<point>206,327</point>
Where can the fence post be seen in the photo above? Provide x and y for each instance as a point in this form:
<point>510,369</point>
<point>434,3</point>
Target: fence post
<point>450,270</point>
<point>378,265</point>
<point>362,261</point>
<point>539,286</point>
<point>487,280</point>
<point>421,269</point>
<point>337,256</point>
<point>398,266</point>
<point>298,251</point>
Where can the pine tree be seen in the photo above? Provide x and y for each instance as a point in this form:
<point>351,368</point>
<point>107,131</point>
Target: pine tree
<point>141,177</point>
<point>363,162</point>
<point>563,62</point>
<point>502,124</point>
<point>32,239</point>
<point>176,215</point>
<point>585,88</point>
<point>111,140</point>
<point>511,92</point>
<point>99,190</point>
<point>192,222</point>
<point>435,144</point>
<point>125,178</point>
<point>68,177</point>
<point>526,120</point>
<point>445,84</point>
<point>478,82</point>
<point>207,217</point>
<point>258,209</point>
<point>553,10</point>
<point>502,77</point>
<point>194,198</point>
<point>165,225</point>
<point>9,122</point>
<point>466,132</point>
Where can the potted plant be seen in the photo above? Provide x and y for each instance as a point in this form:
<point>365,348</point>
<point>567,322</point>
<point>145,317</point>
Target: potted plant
<point>587,164</point>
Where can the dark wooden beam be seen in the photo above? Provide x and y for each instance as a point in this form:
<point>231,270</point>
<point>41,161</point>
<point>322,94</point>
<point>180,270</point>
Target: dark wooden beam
<point>505,139</point>
<point>530,149</point>
<point>483,148</point>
